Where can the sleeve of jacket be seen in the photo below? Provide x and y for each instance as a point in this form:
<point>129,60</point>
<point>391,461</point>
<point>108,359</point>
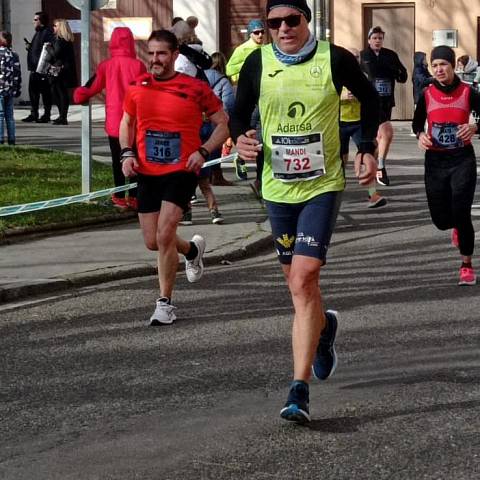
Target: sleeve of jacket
<point>419,116</point>
<point>48,36</point>
<point>401,74</point>
<point>17,76</point>
<point>59,52</point>
<point>248,92</point>
<point>234,63</point>
<point>3,71</point>
<point>83,94</point>
<point>7,72</point>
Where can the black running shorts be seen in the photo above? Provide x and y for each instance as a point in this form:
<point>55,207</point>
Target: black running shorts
<point>385,112</point>
<point>177,188</point>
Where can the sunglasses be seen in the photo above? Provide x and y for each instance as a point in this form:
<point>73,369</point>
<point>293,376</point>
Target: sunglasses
<point>291,21</point>
<point>258,32</point>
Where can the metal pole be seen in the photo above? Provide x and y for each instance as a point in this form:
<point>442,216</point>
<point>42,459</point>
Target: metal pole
<point>320,22</point>
<point>327,20</point>
<point>318,18</point>
<point>86,109</point>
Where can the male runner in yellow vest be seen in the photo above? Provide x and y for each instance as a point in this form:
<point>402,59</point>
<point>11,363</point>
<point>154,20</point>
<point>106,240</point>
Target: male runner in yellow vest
<point>296,82</point>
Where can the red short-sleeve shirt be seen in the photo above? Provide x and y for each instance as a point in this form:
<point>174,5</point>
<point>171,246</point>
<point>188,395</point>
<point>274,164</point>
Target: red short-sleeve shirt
<point>168,115</point>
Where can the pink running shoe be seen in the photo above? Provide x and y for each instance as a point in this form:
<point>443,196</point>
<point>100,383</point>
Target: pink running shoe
<point>119,202</point>
<point>455,237</point>
<point>132,202</point>
<point>467,276</point>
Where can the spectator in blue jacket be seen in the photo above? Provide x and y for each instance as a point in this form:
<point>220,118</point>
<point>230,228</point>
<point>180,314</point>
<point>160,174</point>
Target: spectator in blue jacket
<point>10,86</point>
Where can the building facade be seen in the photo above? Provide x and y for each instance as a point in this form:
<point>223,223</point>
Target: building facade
<point>409,25</point>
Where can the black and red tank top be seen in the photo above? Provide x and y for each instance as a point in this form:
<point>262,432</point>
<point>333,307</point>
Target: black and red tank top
<point>445,112</point>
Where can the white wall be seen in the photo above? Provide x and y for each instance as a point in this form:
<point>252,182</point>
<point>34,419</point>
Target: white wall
<point>21,16</point>
<point>207,14</point>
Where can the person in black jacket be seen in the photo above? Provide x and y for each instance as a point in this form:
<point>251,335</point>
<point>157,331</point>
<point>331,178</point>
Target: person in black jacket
<point>421,77</point>
<point>38,83</point>
<point>383,68</point>
<point>62,73</point>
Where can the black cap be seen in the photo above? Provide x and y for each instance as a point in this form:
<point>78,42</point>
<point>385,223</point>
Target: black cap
<point>444,53</point>
<point>300,5</point>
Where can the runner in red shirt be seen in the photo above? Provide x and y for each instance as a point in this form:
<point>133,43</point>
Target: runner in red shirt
<point>163,114</point>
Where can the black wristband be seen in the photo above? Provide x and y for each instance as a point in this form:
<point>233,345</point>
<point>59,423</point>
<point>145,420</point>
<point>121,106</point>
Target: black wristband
<point>127,152</point>
<point>204,153</point>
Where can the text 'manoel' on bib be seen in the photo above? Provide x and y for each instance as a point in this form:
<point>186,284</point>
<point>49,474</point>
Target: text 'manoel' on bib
<point>162,147</point>
<point>297,157</point>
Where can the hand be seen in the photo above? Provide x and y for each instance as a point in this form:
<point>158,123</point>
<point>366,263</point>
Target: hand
<point>195,162</point>
<point>424,141</point>
<point>248,145</point>
<point>466,131</point>
<point>129,166</point>
<point>365,168</point>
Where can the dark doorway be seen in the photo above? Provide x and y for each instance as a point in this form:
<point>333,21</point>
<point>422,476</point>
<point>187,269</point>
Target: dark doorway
<point>398,22</point>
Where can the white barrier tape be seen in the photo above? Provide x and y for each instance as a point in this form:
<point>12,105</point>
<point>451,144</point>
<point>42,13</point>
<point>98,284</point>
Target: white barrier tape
<point>59,202</point>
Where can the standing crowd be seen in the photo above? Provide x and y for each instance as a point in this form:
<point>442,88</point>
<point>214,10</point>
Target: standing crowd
<point>291,106</point>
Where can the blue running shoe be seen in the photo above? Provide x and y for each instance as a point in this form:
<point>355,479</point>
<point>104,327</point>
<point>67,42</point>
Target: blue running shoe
<point>326,358</point>
<point>296,408</point>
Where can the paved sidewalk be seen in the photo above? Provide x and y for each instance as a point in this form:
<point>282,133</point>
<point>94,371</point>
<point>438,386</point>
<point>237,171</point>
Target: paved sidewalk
<point>107,252</point>
<point>38,265</point>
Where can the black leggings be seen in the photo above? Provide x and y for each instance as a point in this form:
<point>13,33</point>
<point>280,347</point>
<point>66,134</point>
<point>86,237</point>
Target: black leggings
<point>450,180</point>
<point>118,177</point>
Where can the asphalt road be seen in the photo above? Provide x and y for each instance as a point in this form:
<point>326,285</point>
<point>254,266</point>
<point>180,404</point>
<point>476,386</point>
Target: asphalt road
<point>88,392</point>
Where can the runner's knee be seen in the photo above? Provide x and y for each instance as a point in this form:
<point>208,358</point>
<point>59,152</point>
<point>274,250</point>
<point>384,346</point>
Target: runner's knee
<point>303,281</point>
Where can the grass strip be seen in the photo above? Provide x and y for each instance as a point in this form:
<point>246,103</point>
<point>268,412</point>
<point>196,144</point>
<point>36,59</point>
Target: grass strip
<point>33,174</point>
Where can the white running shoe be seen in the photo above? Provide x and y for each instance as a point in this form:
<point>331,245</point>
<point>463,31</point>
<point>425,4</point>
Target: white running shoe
<point>163,315</point>
<point>194,268</point>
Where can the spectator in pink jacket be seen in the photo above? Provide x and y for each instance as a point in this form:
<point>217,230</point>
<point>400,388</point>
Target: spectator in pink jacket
<point>114,75</point>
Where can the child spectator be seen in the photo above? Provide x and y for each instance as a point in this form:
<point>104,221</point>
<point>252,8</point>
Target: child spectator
<point>10,85</point>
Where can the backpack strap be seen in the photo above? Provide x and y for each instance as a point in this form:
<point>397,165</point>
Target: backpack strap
<point>217,81</point>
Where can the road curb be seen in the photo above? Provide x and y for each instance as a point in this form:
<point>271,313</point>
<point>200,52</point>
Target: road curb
<point>23,234</point>
<point>244,248</point>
